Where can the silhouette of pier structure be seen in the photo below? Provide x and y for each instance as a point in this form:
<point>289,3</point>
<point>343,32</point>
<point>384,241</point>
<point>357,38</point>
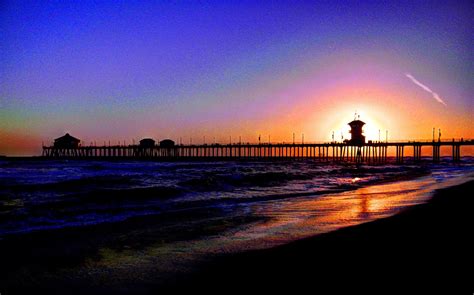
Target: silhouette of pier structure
<point>355,150</point>
<point>371,152</point>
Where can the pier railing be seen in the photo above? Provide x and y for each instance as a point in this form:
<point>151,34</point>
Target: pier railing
<point>371,152</point>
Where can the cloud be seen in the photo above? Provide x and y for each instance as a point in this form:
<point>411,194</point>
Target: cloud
<point>426,88</point>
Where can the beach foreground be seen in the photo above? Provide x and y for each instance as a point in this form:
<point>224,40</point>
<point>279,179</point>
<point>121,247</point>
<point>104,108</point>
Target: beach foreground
<point>426,247</point>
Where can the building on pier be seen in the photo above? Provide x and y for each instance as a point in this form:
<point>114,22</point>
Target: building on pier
<point>147,143</point>
<point>357,138</point>
<point>167,143</point>
<point>66,142</point>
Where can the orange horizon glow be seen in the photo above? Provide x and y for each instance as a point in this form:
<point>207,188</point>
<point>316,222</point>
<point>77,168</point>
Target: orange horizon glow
<point>315,103</point>
<point>315,115</point>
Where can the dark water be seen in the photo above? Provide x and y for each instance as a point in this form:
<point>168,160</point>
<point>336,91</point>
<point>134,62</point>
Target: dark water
<point>46,194</point>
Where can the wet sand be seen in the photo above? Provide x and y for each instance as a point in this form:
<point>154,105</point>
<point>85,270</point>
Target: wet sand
<point>427,247</point>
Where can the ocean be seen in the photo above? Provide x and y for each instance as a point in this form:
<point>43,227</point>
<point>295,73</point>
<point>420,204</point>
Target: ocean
<point>278,200</point>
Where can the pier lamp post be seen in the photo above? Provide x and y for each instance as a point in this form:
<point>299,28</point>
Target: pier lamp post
<point>439,135</point>
<point>433,133</point>
<point>302,138</point>
<point>379,135</point>
<point>333,136</point>
<point>293,138</point>
<point>386,135</point>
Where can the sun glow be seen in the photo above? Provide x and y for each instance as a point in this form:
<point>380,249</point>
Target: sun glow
<point>373,129</point>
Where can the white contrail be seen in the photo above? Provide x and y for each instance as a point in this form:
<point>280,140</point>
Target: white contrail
<point>426,88</point>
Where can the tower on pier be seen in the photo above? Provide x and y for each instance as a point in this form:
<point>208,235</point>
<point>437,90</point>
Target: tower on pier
<point>357,138</point>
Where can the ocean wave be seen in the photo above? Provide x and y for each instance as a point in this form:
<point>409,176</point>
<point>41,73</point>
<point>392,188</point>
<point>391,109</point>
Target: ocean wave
<point>131,194</point>
<point>225,201</point>
<point>58,192</point>
<point>68,185</point>
<point>225,182</point>
<point>110,196</point>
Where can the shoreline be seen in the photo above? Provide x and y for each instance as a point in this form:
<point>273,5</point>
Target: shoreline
<point>207,204</point>
<point>267,265</point>
<point>425,247</point>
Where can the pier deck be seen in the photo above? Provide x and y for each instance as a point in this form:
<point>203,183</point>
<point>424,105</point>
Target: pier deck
<point>371,152</point>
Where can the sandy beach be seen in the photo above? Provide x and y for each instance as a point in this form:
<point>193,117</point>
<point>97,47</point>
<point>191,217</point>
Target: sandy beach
<point>426,247</point>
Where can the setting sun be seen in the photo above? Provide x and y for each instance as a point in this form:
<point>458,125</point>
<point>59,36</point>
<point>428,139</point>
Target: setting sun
<point>371,127</point>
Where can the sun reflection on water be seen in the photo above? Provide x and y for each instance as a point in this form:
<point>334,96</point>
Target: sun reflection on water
<point>303,217</point>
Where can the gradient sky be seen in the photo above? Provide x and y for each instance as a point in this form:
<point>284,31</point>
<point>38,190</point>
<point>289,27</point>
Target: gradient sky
<point>123,70</point>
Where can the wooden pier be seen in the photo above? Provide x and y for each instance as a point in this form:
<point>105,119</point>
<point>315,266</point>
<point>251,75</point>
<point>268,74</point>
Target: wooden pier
<point>370,153</point>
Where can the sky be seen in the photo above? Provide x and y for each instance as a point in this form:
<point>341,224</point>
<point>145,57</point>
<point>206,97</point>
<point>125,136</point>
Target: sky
<point>209,71</point>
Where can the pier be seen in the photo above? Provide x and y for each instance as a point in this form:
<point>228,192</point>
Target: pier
<point>353,150</point>
<point>370,153</point>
